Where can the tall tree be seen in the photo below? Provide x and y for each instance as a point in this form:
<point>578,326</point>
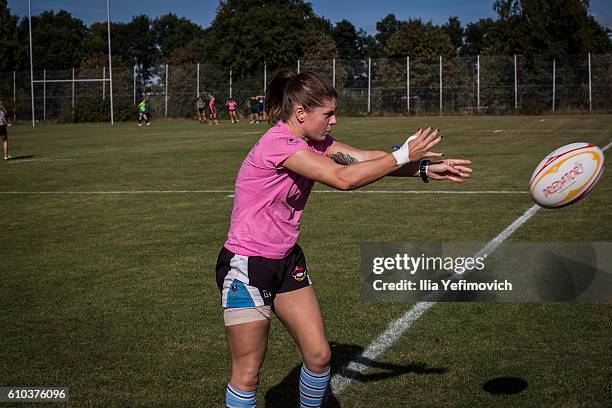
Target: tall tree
<point>97,40</point>
<point>349,41</point>
<point>142,50</point>
<point>58,40</point>
<point>172,33</point>
<point>318,46</point>
<point>8,38</point>
<point>386,28</point>
<point>371,47</point>
<point>419,39</point>
<point>455,32</point>
<point>557,28</point>
<point>133,43</point>
<point>485,37</point>
<point>245,33</point>
<point>318,23</point>
<point>189,53</point>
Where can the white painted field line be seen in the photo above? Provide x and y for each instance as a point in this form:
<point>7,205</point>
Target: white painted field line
<point>122,192</point>
<point>396,329</point>
<point>497,131</point>
<point>422,192</point>
<point>231,192</point>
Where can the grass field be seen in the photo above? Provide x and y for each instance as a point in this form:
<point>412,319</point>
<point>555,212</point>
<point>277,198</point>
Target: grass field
<point>109,238</point>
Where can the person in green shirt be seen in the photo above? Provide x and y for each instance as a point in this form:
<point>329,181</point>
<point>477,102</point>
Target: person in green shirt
<point>143,112</point>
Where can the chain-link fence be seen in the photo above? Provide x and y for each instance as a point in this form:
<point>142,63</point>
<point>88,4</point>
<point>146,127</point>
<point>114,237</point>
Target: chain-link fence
<point>462,85</point>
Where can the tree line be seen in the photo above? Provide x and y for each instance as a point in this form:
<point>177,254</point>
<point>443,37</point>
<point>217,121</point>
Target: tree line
<point>245,33</point>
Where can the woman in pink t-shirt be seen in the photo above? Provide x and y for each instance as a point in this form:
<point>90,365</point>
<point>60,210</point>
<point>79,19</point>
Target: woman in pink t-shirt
<point>212,111</point>
<point>261,268</point>
<point>231,107</point>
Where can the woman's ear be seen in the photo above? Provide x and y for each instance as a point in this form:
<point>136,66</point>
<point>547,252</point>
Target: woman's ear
<point>300,114</point>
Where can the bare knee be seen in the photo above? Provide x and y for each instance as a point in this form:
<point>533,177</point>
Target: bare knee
<point>245,376</point>
<point>319,358</point>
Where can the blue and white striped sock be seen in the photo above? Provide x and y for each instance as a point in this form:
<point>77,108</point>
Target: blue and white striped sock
<point>312,387</point>
<point>236,398</point>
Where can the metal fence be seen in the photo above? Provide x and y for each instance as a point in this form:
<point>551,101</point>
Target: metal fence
<point>462,85</point>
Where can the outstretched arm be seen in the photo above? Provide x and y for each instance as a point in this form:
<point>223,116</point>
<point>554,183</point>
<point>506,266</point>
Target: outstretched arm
<point>344,154</point>
<point>366,166</point>
<point>320,168</point>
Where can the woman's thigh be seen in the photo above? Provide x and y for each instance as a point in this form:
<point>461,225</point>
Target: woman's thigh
<point>248,342</point>
<point>300,313</point>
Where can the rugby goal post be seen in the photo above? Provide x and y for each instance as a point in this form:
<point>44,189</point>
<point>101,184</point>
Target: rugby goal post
<point>73,80</point>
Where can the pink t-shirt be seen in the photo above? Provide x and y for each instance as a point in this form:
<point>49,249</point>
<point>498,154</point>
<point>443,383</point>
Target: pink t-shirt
<point>269,199</point>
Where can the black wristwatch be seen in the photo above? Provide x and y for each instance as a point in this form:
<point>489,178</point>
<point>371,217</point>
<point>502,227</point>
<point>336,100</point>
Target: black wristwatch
<point>423,170</point>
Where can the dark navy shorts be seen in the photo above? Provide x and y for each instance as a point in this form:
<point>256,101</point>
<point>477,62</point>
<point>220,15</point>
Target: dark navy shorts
<point>250,281</point>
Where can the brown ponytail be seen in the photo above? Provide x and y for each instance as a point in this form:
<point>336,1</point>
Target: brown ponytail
<point>288,89</point>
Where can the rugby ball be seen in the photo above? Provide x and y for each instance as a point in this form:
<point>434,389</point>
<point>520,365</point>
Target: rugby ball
<point>566,175</point>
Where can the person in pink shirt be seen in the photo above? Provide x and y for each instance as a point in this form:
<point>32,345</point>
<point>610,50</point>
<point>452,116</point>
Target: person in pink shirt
<point>4,123</point>
<point>261,268</point>
<point>212,111</point>
<point>231,107</point>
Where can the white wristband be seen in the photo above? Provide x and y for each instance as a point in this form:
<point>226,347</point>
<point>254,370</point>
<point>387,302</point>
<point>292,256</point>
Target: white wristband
<point>402,155</point>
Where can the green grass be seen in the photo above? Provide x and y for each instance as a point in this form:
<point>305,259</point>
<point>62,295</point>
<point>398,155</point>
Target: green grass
<point>114,295</point>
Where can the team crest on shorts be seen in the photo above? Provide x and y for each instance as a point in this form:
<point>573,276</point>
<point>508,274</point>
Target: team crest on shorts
<point>299,273</point>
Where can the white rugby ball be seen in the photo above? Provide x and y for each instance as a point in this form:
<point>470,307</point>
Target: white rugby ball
<point>566,175</point>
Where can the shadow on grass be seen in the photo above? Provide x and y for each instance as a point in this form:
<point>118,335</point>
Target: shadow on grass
<point>286,393</point>
<point>29,156</point>
<point>505,385</point>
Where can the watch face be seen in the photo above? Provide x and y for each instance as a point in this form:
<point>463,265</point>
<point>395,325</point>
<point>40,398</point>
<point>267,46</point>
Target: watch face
<point>423,170</point>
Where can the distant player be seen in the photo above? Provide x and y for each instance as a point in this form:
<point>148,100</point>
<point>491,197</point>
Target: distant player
<point>143,112</point>
<point>260,108</point>
<point>4,123</point>
<point>254,107</point>
<point>212,111</point>
<point>231,107</point>
<point>200,106</point>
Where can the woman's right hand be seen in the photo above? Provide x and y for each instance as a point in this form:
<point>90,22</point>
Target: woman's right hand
<point>424,140</point>
<point>418,146</point>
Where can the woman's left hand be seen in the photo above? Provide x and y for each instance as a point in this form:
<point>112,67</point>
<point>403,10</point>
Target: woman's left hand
<point>450,169</point>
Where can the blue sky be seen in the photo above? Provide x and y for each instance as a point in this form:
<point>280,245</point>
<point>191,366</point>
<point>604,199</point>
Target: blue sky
<point>362,13</point>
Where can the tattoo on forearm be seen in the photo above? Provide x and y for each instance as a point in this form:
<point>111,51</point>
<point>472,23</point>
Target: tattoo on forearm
<point>343,158</point>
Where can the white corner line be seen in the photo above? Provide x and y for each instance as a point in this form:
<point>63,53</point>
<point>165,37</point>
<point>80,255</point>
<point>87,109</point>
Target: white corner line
<point>396,329</point>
